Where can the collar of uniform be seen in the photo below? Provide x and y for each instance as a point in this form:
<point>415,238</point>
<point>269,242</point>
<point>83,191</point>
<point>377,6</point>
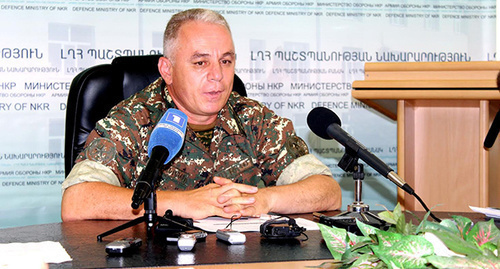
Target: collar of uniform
<point>169,102</point>
<point>158,97</point>
<point>229,120</point>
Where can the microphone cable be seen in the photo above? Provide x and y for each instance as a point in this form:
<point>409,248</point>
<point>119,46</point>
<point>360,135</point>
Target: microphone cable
<point>425,207</point>
<point>492,134</point>
<point>410,190</point>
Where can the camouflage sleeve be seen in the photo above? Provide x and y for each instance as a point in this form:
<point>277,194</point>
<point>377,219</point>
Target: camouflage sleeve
<point>89,171</point>
<point>119,143</point>
<point>276,144</point>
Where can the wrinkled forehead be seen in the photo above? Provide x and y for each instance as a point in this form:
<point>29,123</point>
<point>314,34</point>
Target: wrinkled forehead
<point>205,39</point>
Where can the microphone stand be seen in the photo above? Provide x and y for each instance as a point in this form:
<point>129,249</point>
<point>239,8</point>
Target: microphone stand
<point>150,217</point>
<point>357,210</point>
<point>159,155</point>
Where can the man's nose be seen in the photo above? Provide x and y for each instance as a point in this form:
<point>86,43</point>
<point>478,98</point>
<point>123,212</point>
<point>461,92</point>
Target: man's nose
<point>216,72</point>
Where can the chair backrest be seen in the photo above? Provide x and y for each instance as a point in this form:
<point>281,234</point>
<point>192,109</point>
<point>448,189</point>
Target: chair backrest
<point>97,89</point>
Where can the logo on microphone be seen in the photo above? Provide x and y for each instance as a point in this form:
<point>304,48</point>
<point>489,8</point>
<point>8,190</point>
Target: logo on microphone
<point>175,119</point>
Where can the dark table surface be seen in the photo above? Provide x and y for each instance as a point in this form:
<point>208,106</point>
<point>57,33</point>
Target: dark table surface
<point>79,238</point>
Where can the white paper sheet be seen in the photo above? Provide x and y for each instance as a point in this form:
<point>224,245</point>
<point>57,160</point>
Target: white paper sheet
<point>212,224</point>
<point>32,255</point>
<point>488,211</point>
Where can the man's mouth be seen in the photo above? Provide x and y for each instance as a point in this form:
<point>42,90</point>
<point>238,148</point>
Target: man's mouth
<point>214,93</point>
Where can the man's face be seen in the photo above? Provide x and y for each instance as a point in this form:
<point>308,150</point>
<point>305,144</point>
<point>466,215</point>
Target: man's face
<point>200,79</point>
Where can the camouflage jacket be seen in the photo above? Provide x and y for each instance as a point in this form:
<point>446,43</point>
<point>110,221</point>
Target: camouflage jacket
<point>250,144</point>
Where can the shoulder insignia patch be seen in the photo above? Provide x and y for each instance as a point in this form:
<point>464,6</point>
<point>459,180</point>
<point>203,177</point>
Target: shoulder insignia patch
<point>296,146</point>
<point>101,150</point>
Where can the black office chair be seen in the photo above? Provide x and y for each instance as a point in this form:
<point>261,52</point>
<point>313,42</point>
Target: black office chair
<point>96,90</point>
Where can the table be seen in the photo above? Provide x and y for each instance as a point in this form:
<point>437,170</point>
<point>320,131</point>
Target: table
<point>79,240</point>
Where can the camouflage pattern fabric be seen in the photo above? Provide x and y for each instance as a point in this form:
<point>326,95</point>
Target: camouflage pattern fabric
<point>250,143</point>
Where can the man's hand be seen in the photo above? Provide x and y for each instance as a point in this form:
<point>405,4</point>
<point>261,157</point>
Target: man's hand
<point>237,203</point>
<point>314,193</point>
<point>212,199</point>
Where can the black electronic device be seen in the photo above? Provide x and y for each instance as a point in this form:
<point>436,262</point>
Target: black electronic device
<point>347,220</point>
<point>123,246</point>
<point>170,224</point>
<point>281,228</point>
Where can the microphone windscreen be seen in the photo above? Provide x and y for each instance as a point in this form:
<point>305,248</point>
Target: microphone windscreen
<point>169,132</point>
<point>319,119</point>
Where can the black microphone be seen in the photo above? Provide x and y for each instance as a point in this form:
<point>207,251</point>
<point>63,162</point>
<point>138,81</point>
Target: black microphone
<point>326,124</point>
<point>165,142</point>
<point>492,134</point>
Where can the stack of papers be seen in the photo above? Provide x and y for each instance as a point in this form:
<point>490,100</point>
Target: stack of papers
<point>488,211</point>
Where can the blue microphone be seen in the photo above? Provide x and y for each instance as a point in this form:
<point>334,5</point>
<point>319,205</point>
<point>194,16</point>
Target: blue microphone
<point>165,142</point>
<point>169,133</point>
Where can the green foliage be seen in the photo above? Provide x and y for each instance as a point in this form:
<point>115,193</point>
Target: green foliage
<point>453,243</point>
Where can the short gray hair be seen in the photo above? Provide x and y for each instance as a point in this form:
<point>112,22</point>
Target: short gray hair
<point>179,19</point>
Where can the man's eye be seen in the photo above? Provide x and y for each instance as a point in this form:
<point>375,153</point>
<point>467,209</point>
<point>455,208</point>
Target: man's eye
<point>226,61</point>
<point>199,63</point>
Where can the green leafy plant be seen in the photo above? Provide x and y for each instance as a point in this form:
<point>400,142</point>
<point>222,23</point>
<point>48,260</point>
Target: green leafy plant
<point>452,243</point>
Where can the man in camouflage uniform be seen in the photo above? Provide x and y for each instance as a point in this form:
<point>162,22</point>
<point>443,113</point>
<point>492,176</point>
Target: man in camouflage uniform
<point>238,158</point>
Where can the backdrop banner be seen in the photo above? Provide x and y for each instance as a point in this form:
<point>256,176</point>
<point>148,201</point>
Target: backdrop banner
<point>293,55</point>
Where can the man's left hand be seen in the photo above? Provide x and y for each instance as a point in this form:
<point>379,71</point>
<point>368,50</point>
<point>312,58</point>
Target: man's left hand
<point>236,202</point>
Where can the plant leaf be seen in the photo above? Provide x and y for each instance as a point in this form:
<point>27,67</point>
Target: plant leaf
<point>335,239</point>
<point>357,246</point>
<point>409,252</point>
<point>463,225</point>
<point>440,249</point>
<point>366,229</point>
<point>484,232</point>
<point>392,217</point>
<point>388,216</point>
<point>366,261</point>
<point>455,243</point>
<point>433,226</point>
<point>356,239</point>
<point>404,245</point>
<point>397,212</point>
<point>350,256</point>
<point>463,262</point>
<point>409,229</point>
<point>422,222</point>
<point>359,243</point>
<point>388,239</point>
<point>400,219</point>
<point>489,249</point>
<point>451,226</point>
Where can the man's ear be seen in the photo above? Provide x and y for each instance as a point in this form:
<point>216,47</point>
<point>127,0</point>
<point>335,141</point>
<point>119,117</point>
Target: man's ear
<point>165,68</point>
